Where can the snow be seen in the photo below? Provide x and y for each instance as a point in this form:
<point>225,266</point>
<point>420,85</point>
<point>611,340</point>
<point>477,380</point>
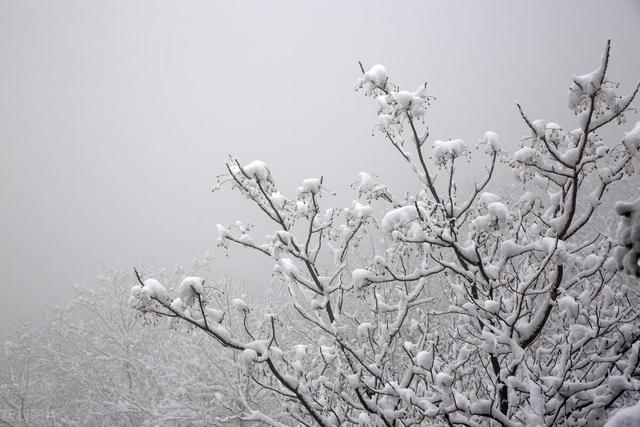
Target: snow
<point>246,239</point>
<point>278,199</point>
<point>361,211</point>
<point>444,379</point>
<point>310,186</point>
<point>247,358</point>
<point>363,330</point>
<point>489,342</point>
<point>286,266</point>
<point>364,419</point>
<point>492,306</point>
<point>526,155</point>
<point>631,140</point>
<point>591,261</point>
<point>404,98</point>
<point>189,289</point>
<point>626,417</point>
<point>177,305</point>
<point>497,217</point>
<point>369,188</point>
<point>239,305</point>
<point>386,122</point>
<point>605,174</point>
<point>492,142</point>
<point>142,296</point>
<point>156,290</point>
<point>468,249</point>
<point>223,231</point>
<point>329,353</point>
<point>509,248</point>
<point>215,314</point>
<point>377,75</point>
<point>424,359</point>
<point>579,332</point>
<point>540,126</point>
<point>300,350</point>
<point>399,217</point>
<point>527,199</point>
<point>583,87</point>
<point>568,304</point>
<point>136,298</point>
<point>486,198</point>
<point>590,82</point>
<point>571,156</point>
<point>258,170</point>
<point>413,102</point>
<point>493,271</point>
<point>549,244</point>
<point>366,182</point>
<point>360,276</point>
<point>443,150</point>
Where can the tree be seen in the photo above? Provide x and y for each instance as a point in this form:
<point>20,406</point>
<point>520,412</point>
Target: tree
<point>92,363</point>
<point>473,308</point>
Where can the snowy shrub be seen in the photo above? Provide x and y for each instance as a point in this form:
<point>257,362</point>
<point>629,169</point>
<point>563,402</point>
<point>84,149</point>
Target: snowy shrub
<point>474,307</point>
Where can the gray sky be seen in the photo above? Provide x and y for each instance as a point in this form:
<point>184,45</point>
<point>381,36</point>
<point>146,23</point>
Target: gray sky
<point>115,117</point>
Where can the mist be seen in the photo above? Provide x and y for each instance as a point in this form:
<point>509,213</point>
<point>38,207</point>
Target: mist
<point>116,117</point>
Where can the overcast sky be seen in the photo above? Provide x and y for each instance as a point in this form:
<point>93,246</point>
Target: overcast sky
<point>116,116</point>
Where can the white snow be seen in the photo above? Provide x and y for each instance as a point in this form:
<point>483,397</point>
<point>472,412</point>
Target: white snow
<point>626,417</point>
<point>386,122</point>
<point>377,74</point>
<point>404,98</point>
<point>363,330</point>
<point>258,170</point>
<point>156,290</point>
<point>583,87</point>
<point>360,276</point>
<point>424,359</point>
<point>526,155</point>
<point>492,142</point>
<point>486,198</point>
<point>189,289</point>
<point>569,304</point>
<point>310,186</point>
<point>360,210</point>
<point>444,379</point>
<point>497,217</point>
<point>631,140</point>
<point>571,156</point>
<point>399,217</point>
<point>239,305</point>
<point>278,199</point>
<point>366,182</point>
<point>413,102</point>
<point>492,306</point>
<point>247,358</point>
<point>443,150</point>
<point>223,231</point>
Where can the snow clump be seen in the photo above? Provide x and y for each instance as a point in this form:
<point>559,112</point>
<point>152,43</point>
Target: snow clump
<point>445,150</point>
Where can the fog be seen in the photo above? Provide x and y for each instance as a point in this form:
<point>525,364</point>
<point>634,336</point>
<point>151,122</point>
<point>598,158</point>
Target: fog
<point>116,117</point>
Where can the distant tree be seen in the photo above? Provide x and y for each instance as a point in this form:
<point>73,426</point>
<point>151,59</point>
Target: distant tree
<point>93,363</point>
<point>473,308</point>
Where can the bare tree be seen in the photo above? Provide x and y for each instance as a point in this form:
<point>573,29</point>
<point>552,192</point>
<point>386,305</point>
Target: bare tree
<point>474,308</point>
